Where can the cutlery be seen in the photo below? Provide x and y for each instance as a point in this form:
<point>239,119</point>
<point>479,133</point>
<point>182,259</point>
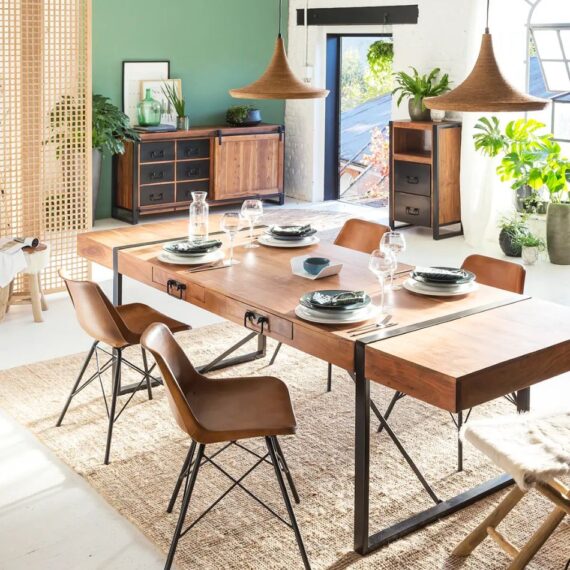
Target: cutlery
<point>208,267</point>
<point>385,320</point>
<point>373,329</point>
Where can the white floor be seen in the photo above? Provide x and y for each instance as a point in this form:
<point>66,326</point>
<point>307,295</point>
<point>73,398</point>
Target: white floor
<point>49,517</point>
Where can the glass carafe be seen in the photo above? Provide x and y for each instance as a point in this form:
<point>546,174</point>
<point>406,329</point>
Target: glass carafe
<point>198,223</point>
<point>149,111</point>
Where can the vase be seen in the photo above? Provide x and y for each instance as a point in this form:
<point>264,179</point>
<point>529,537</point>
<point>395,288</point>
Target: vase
<point>437,115</point>
<point>521,195</point>
<point>149,111</point>
<point>199,216</point>
<point>508,245</point>
<point>183,123</point>
<point>558,233</point>
<point>417,110</point>
<point>96,178</point>
<point>529,255</point>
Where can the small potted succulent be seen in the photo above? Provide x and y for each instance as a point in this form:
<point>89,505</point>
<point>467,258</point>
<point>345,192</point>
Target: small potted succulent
<point>531,246</point>
<point>512,231</point>
<point>243,116</point>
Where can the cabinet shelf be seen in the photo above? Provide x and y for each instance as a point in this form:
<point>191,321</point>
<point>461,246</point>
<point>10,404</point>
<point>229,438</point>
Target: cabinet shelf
<point>421,157</point>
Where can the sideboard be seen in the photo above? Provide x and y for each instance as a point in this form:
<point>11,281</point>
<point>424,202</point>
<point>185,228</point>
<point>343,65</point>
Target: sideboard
<point>158,174</point>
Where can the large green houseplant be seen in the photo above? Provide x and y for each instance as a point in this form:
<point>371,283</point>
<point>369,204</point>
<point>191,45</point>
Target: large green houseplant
<point>417,87</point>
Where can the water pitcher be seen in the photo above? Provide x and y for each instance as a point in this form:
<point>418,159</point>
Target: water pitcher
<point>198,223</point>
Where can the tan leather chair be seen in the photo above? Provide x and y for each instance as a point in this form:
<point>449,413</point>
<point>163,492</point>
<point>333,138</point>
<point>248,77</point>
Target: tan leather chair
<point>222,411</point>
<point>117,327</point>
<point>361,235</point>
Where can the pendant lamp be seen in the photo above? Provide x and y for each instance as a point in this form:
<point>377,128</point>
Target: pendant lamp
<point>279,81</point>
<point>485,89</point>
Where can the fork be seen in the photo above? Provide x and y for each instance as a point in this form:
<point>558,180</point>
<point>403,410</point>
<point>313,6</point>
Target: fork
<point>211,265</point>
<point>373,329</point>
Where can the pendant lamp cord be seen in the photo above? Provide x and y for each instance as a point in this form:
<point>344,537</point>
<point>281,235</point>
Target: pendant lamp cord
<point>280,10</point>
<point>487,25</point>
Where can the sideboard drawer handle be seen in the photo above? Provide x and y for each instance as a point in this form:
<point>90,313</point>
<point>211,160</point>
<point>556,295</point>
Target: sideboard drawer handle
<point>156,175</point>
<point>175,288</point>
<point>412,211</point>
<point>193,172</point>
<point>412,180</point>
<point>156,197</point>
<point>155,154</point>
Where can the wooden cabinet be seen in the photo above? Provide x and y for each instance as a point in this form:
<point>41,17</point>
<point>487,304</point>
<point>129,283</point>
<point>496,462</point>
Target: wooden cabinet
<point>158,174</point>
<point>424,176</point>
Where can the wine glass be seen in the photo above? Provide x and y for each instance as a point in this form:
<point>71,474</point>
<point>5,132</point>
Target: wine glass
<point>230,224</point>
<point>382,264</point>
<point>394,242</point>
<point>252,210</point>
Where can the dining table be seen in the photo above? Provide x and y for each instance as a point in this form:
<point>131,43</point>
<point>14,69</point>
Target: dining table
<point>452,353</point>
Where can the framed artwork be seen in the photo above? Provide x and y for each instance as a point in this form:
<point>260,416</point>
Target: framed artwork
<point>169,114</point>
<point>133,73</point>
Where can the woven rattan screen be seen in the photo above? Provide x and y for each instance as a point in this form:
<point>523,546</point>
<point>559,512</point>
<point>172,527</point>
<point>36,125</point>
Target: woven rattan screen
<point>45,130</point>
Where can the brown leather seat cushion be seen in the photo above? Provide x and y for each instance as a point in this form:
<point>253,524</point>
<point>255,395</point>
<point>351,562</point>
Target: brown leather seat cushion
<point>137,317</point>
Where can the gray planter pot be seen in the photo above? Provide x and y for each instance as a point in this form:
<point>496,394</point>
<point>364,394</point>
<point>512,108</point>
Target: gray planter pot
<point>558,233</point>
<point>417,111</point>
<point>96,158</point>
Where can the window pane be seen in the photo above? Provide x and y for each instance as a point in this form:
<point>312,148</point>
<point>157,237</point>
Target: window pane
<point>547,44</point>
<point>561,127</point>
<point>556,76</point>
<point>565,35</point>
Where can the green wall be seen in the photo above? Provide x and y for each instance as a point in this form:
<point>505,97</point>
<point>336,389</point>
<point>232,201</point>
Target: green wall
<point>212,45</point>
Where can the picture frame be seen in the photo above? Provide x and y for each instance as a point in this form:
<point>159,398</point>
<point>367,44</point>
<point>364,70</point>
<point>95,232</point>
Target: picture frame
<point>135,71</point>
<point>169,115</point>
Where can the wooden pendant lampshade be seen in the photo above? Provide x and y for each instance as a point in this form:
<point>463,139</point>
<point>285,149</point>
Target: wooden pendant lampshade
<point>279,81</point>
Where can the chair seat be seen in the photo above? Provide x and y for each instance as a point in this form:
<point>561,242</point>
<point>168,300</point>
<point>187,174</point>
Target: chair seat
<point>229,409</point>
<point>137,317</point>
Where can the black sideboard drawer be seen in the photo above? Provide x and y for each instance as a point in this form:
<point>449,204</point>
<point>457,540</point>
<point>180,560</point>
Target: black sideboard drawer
<point>157,173</point>
<point>412,209</point>
<point>158,194</point>
<point>157,151</point>
<point>194,170</point>
<point>412,178</point>
<point>184,190</point>
<point>197,148</point>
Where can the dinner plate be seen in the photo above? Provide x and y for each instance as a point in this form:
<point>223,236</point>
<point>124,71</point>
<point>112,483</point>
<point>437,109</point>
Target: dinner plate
<point>344,316</point>
<point>336,319</point>
<point>272,242</point>
<point>166,257</point>
<point>306,301</point>
<point>435,291</point>
<point>283,237</point>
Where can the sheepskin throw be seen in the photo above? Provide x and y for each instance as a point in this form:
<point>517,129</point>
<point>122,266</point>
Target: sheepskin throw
<point>530,447</point>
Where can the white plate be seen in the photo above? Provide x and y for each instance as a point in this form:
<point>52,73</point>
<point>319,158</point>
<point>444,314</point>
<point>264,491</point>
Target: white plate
<point>358,316</point>
<point>271,242</point>
<point>423,289</point>
<point>337,315</point>
<point>166,257</point>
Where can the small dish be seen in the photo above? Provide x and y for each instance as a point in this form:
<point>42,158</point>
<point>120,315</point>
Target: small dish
<point>314,265</point>
<point>297,268</point>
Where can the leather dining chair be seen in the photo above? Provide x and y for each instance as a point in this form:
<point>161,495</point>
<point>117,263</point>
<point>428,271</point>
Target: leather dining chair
<point>118,328</point>
<point>222,411</point>
<point>493,272</point>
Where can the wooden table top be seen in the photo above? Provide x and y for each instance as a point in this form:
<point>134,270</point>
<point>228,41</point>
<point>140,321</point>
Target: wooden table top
<point>452,365</point>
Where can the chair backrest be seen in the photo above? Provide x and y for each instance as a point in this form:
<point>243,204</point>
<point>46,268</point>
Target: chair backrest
<point>95,313</point>
<point>497,272</point>
<point>361,235</point>
<point>180,377</point>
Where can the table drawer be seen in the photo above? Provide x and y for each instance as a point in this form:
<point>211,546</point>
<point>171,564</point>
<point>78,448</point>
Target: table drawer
<point>157,194</point>
<point>195,148</point>
<point>412,178</point>
<point>157,151</point>
<point>184,190</point>
<point>157,173</point>
<point>176,288</point>
<point>412,209</point>
<point>193,170</point>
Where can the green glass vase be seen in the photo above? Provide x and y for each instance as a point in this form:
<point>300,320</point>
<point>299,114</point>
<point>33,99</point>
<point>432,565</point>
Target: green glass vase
<point>149,111</point>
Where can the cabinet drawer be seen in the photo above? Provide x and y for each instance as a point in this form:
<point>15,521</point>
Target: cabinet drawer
<point>156,173</point>
<point>198,148</point>
<point>157,151</point>
<point>193,170</point>
<point>157,194</point>
<point>412,178</point>
<point>184,190</point>
<point>412,209</point>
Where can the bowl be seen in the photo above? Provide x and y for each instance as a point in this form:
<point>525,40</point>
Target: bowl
<point>314,265</point>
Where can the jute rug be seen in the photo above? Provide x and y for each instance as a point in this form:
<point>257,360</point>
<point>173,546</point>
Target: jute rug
<point>148,450</point>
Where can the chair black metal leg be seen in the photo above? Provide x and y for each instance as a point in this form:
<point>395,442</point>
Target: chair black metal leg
<point>459,442</point>
<point>116,387</point>
<point>181,477</point>
<point>274,357</point>
<point>147,374</point>
<point>397,396</point>
<point>523,400</point>
<point>329,377</point>
<point>285,469</point>
<point>77,382</point>
<point>184,507</point>
<point>270,441</point>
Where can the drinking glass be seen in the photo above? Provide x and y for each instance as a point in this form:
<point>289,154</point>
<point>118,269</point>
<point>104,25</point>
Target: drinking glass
<point>382,264</point>
<point>230,224</point>
<point>395,243</point>
<point>252,210</point>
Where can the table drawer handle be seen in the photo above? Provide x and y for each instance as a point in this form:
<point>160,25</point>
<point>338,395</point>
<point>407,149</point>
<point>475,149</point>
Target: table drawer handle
<point>155,154</point>
<point>156,175</point>
<point>156,198</point>
<point>412,180</point>
<point>175,288</point>
<point>252,318</point>
<point>412,211</point>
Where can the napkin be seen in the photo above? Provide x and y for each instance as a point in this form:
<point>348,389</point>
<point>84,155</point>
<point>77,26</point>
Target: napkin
<point>187,246</point>
<point>340,299</point>
<point>290,230</point>
<point>440,273</point>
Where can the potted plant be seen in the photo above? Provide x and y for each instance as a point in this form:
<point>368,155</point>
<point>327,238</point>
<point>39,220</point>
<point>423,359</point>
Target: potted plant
<point>179,104</point>
<point>417,87</point>
<point>531,246</point>
<point>111,128</point>
<point>512,231</point>
<point>558,225</point>
<point>243,116</point>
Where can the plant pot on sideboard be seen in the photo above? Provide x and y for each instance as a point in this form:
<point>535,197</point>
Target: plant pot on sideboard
<point>558,233</point>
